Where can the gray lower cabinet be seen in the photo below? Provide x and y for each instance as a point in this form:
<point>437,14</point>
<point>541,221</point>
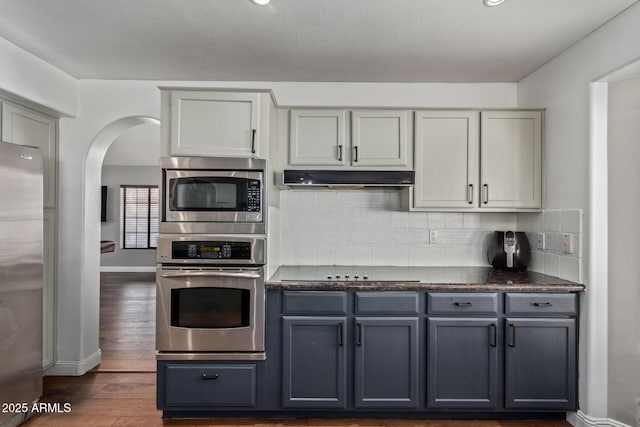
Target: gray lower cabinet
<point>314,362</point>
<point>462,363</point>
<point>540,363</point>
<point>386,362</point>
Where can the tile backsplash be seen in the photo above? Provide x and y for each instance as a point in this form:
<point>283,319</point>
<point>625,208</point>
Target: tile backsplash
<point>556,226</point>
<point>370,227</point>
<point>343,227</point>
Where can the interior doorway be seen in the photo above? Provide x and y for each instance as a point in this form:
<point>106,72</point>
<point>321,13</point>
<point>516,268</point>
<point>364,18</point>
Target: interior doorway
<point>135,139</point>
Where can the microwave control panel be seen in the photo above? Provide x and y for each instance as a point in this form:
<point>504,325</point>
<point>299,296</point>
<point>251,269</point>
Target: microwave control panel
<point>253,196</point>
<point>211,250</point>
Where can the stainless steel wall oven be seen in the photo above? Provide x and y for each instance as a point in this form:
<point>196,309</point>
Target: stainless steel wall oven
<point>210,294</point>
<point>213,195</point>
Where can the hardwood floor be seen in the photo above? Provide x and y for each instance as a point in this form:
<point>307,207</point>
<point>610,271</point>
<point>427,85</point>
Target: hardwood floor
<point>112,399</point>
<point>127,322</point>
<point>115,395</point>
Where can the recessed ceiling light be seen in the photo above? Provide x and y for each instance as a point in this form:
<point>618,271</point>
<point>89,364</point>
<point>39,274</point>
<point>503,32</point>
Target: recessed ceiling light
<point>491,3</point>
<point>261,2</point>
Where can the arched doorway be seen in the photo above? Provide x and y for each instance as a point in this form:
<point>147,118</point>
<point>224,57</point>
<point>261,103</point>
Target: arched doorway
<point>92,173</point>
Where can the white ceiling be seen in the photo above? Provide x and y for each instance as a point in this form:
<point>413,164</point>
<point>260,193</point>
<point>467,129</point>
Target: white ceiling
<point>301,40</point>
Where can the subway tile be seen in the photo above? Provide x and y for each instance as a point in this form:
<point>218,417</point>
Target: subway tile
<point>454,256</point>
<point>454,220</point>
<point>551,264</point>
<point>552,220</point>
<point>571,221</point>
<point>344,255</point>
<point>325,255</point>
<point>380,255</point>
<point>436,256</point>
<point>399,255</point>
<point>418,220</point>
<point>327,198</point>
<point>472,220</point>
<point>569,268</point>
<point>537,261</point>
<point>361,255</point>
<point>436,220</point>
<point>474,256</point>
<point>400,220</point>
<point>418,256</point>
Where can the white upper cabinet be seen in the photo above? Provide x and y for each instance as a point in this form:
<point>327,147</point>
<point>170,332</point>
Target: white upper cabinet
<point>511,159</point>
<point>470,161</point>
<point>27,127</point>
<point>317,138</point>
<point>378,138</point>
<point>446,159</point>
<point>215,123</point>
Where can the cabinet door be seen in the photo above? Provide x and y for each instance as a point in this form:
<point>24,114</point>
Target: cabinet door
<point>540,364</point>
<point>386,362</point>
<point>317,138</point>
<point>48,288</point>
<point>207,123</point>
<point>379,138</point>
<point>462,363</point>
<point>26,127</point>
<point>511,155</point>
<point>446,159</point>
<point>313,362</point>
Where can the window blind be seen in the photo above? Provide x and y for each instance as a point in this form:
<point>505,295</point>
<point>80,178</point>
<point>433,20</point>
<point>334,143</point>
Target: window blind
<point>140,207</point>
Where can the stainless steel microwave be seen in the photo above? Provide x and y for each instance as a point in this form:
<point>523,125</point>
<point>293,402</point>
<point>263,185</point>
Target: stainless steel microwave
<point>213,195</point>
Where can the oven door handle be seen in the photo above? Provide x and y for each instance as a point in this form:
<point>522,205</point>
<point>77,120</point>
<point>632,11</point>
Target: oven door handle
<point>242,275</point>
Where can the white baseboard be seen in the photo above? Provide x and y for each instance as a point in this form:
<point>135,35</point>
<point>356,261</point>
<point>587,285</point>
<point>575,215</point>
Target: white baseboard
<point>75,368</point>
<point>580,419</point>
<point>127,269</point>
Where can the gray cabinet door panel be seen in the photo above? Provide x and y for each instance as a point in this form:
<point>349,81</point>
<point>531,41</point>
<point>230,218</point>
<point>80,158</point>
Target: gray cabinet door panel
<point>540,371</point>
<point>386,303</point>
<point>314,302</point>
<point>313,362</point>
<point>462,303</point>
<point>462,363</point>
<point>210,385</point>
<point>386,362</point>
<point>541,304</point>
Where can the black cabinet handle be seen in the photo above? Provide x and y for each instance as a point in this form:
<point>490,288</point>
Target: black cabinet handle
<point>210,377</point>
<point>470,194</point>
<point>359,341</point>
<point>494,335</point>
<point>355,157</point>
<point>340,153</point>
<point>462,304</point>
<point>486,194</point>
<point>340,334</point>
<point>253,141</point>
<point>513,335</point>
<point>542,304</point>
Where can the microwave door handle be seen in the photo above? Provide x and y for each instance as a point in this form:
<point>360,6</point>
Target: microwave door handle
<point>242,275</point>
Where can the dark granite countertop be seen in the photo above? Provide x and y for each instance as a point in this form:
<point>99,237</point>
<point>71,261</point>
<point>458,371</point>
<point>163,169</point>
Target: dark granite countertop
<point>417,278</point>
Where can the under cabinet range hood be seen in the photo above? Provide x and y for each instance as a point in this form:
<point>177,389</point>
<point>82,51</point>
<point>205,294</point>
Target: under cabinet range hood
<point>348,178</point>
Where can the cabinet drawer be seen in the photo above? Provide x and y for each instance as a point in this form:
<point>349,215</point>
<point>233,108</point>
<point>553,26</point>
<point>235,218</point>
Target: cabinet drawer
<point>386,303</point>
<point>541,304</point>
<point>210,385</point>
<point>314,302</point>
<point>458,303</point>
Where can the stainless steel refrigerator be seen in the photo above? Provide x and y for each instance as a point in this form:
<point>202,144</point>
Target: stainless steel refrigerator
<point>21,238</point>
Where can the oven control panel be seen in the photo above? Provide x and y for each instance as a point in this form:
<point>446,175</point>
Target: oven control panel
<point>253,196</point>
<point>211,250</point>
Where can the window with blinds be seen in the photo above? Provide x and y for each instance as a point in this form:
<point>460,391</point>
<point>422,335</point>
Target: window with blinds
<point>140,212</point>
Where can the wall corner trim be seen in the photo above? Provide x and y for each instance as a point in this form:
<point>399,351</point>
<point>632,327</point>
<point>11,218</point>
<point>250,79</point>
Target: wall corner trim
<point>75,368</point>
<point>580,419</point>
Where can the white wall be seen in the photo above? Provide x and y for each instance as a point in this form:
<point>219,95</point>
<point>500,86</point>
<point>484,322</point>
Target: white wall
<point>624,252</point>
<point>563,87</point>
<point>30,78</point>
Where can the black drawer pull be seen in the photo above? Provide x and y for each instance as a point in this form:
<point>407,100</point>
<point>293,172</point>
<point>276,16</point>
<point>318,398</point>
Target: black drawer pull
<point>542,304</point>
<point>513,335</point>
<point>494,335</point>
<point>359,340</point>
<point>340,334</point>
<point>462,304</point>
<point>210,377</point>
